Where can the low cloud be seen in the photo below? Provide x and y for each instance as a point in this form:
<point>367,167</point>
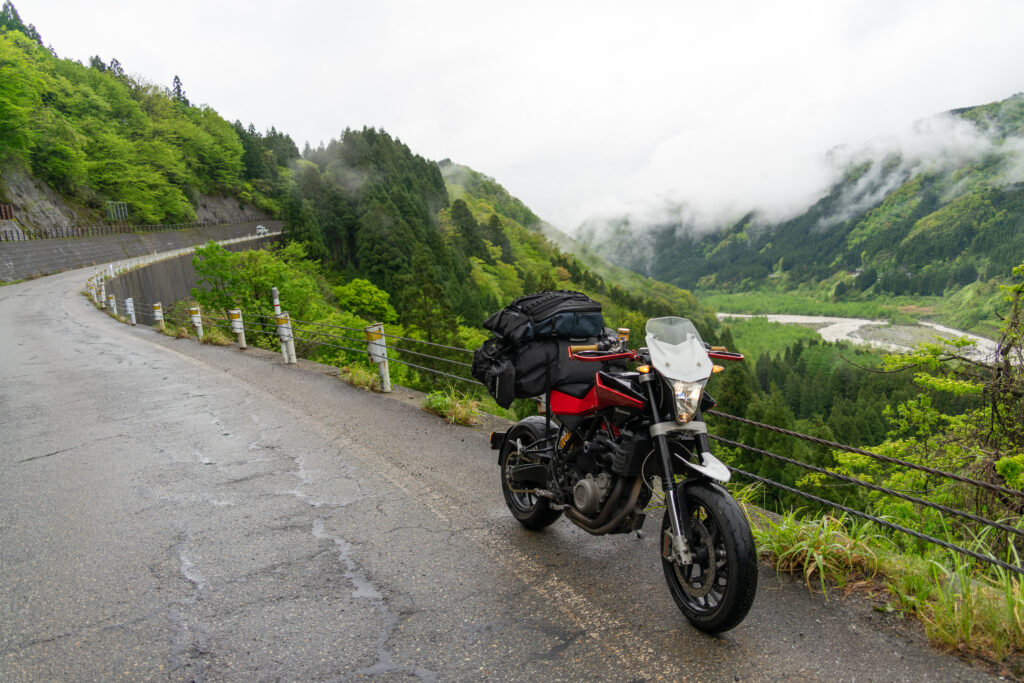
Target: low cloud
<point>937,145</point>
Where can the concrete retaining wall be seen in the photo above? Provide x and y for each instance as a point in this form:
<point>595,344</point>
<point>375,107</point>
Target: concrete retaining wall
<point>169,280</point>
<point>19,260</point>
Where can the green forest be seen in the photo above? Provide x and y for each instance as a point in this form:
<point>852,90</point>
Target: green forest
<point>96,134</point>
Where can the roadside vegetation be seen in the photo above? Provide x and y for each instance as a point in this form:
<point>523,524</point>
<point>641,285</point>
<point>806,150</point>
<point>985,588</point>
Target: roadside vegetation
<point>454,405</point>
<point>965,605</point>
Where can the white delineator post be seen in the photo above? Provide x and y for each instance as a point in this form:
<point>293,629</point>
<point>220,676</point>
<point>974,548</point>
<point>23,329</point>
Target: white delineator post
<point>277,313</point>
<point>196,316</point>
<point>158,315</point>
<point>237,326</point>
<point>129,309</point>
<point>284,333</point>
<point>378,353</point>
<point>112,304</point>
<point>103,292</point>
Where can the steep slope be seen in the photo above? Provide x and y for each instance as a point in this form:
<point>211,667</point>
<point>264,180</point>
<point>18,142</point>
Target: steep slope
<point>95,135</point>
<point>444,241</point>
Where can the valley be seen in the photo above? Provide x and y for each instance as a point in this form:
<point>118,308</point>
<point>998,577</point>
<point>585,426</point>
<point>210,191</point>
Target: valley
<point>879,334</point>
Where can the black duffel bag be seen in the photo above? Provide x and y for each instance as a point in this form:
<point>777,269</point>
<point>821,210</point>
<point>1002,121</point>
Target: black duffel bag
<point>562,314</point>
<point>545,364</point>
<point>530,351</point>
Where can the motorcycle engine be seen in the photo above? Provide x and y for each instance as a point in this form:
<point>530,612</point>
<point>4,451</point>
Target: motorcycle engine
<point>590,491</point>
<point>586,472</point>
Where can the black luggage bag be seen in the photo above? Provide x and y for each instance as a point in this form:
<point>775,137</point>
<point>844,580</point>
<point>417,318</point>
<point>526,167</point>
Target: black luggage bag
<point>530,352</point>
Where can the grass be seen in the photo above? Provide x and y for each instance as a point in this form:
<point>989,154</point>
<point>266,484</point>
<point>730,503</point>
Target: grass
<point>972,609</point>
<point>754,336</point>
<point>216,336</point>
<point>832,548</point>
<point>965,606</point>
<point>457,407</point>
<point>360,376</point>
<point>796,302</point>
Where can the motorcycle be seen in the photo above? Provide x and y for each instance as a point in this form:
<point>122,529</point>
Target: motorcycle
<point>604,447</point>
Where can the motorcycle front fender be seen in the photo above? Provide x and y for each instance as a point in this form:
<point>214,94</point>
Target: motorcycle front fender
<point>710,467</point>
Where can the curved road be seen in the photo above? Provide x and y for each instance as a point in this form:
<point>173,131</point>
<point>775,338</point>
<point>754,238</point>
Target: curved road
<point>177,511</point>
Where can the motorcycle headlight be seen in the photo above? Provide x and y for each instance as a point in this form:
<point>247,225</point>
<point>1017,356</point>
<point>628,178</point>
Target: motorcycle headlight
<point>687,399</point>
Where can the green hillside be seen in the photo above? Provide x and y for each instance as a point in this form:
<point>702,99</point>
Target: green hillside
<point>448,244</point>
<point>95,134</point>
<point>892,227</point>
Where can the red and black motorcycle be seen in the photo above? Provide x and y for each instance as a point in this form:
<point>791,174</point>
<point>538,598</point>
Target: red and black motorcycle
<point>607,445</point>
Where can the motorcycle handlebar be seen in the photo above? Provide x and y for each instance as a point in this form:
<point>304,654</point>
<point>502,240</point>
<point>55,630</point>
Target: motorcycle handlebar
<point>599,355</point>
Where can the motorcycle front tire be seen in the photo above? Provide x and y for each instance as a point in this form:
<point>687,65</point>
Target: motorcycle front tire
<point>716,591</point>
<point>532,511</point>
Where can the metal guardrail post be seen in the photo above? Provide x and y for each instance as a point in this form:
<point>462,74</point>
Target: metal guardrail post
<point>379,353</point>
<point>158,315</point>
<point>112,304</point>
<point>129,308</point>
<point>196,316</point>
<point>284,334</point>
<point>238,326</point>
<point>103,292</point>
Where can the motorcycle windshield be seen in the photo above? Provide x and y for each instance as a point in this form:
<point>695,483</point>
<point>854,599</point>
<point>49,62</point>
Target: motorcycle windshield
<point>677,350</point>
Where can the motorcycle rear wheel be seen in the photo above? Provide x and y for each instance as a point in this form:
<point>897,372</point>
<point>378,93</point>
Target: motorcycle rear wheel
<point>716,591</point>
<point>532,511</point>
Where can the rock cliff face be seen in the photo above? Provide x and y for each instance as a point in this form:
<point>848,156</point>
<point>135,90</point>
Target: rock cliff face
<point>216,209</point>
<point>39,206</point>
<point>36,204</point>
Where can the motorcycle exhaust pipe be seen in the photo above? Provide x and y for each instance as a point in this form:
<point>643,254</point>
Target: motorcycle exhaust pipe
<point>585,523</point>
<point>609,505</point>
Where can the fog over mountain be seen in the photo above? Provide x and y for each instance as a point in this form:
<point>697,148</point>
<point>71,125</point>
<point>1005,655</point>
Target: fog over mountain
<point>938,144</point>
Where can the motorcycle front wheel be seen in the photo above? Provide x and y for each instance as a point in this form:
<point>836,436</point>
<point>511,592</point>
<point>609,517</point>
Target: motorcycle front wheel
<point>532,511</point>
<point>716,591</point>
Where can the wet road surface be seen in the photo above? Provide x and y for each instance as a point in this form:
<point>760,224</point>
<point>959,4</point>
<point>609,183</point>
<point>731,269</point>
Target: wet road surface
<point>177,511</point>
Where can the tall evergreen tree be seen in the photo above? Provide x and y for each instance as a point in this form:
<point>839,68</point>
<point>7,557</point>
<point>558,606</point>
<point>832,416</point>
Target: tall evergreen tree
<point>11,21</point>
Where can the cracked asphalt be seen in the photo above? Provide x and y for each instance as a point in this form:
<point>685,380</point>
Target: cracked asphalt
<point>183,512</point>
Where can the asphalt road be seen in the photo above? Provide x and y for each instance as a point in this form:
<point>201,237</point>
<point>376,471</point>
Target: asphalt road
<point>177,511</point>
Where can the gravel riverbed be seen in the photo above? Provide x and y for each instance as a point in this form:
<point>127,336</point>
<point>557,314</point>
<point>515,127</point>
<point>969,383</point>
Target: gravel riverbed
<point>876,333</point>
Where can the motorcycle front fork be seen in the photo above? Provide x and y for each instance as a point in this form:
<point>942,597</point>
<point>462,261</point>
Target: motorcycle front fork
<point>674,544</point>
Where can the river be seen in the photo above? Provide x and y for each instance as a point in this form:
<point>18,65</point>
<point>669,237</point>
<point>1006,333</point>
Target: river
<point>878,333</point>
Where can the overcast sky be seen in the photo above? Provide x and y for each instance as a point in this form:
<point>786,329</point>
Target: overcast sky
<point>577,108</point>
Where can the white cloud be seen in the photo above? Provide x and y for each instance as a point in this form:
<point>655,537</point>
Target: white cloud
<point>575,106</point>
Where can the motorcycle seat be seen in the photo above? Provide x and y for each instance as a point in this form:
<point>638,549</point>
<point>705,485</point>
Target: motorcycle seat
<point>575,389</point>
